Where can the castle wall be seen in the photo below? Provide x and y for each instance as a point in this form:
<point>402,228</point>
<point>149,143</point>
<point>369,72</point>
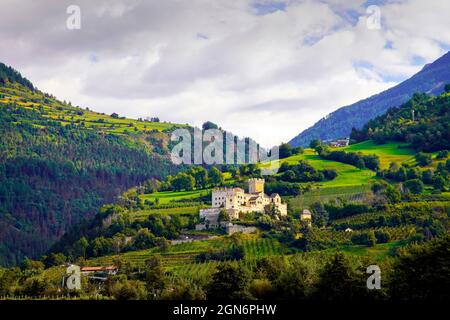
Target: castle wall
<point>235,201</point>
<point>255,185</point>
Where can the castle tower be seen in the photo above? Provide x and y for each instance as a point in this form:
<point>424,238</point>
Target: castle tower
<point>255,185</point>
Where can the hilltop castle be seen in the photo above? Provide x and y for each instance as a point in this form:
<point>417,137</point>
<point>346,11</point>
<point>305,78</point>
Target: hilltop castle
<point>235,201</point>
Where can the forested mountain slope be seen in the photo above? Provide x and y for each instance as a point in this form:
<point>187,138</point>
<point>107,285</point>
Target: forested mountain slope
<point>60,163</point>
<point>423,121</point>
<point>431,80</point>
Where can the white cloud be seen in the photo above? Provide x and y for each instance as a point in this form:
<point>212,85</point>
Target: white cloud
<point>255,70</point>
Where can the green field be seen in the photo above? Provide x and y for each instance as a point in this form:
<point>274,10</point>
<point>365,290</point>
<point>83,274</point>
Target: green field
<point>349,193</point>
<point>167,196</point>
<point>348,175</point>
<point>388,152</point>
<point>378,251</point>
<point>185,210</point>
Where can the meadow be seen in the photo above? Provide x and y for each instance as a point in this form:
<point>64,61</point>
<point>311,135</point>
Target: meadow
<point>183,210</point>
<point>348,175</point>
<point>388,152</point>
<point>166,197</point>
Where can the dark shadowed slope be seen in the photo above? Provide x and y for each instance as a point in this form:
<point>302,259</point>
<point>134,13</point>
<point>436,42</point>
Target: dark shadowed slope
<point>431,79</point>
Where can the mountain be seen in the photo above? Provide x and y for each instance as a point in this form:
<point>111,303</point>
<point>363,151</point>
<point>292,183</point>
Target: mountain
<point>423,122</point>
<point>431,80</point>
<point>60,163</point>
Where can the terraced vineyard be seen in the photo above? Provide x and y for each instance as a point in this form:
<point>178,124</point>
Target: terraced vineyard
<point>182,210</point>
<point>168,196</point>
<point>349,193</point>
<point>261,247</point>
<point>179,260</point>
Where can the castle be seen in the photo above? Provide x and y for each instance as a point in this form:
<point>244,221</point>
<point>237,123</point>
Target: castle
<point>235,201</point>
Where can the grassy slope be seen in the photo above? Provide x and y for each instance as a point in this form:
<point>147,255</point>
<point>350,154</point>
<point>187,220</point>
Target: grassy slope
<point>351,183</point>
<point>389,152</point>
<point>65,113</point>
<point>167,196</point>
<point>348,175</point>
<point>148,137</point>
<point>185,210</point>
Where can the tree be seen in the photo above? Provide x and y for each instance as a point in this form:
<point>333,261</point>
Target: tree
<point>129,290</point>
<point>209,125</point>
<point>114,116</point>
<point>382,236</point>
<point>340,281</point>
<point>424,159</point>
<point>8,278</point>
<point>223,216</point>
<point>215,176</point>
<point>319,214</point>
<point>439,183</point>
<point>54,259</point>
<point>35,286</point>
<point>360,164</point>
<point>294,282</point>
<point>229,282</point>
<point>413,173</point>
<point>315,143</point>
<point>271,210</point>
<point>447,87</point>
<point>412,277</point>
<point>427,176</point>
<point>183,181</point>
<point>392,194</point>
<point>286,150</point>
<point>365,238</point>
<point>415,186</point>
<point>29,264</point>
<point>154,276</point>
<point>289,176</point>
<point>201,177</point>
<point>80,247</point>
<point>144,239</point>
<point>387,191</point>
<point>443,154</point>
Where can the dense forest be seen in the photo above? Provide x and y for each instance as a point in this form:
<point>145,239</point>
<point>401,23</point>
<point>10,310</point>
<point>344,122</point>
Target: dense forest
<point>9,74</point>
<point>56,170</point>
<point>423,121</point>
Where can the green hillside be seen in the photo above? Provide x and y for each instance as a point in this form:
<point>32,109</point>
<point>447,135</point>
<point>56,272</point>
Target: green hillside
<point>59,163</point>
<point>378,201</point>
<point>388,152</point>
<point>422,122</point>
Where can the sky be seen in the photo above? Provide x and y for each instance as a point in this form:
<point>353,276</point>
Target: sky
<point>266,69</point>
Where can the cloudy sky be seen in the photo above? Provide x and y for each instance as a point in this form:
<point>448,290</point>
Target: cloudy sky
<point>261,68</point>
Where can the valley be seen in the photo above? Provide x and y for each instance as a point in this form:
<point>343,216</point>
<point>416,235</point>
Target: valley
<point>96,190</point>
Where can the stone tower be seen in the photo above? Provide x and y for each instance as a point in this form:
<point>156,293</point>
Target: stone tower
<point>255,185</point>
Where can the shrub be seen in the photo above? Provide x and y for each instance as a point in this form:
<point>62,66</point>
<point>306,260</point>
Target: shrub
<point>415,186</point>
